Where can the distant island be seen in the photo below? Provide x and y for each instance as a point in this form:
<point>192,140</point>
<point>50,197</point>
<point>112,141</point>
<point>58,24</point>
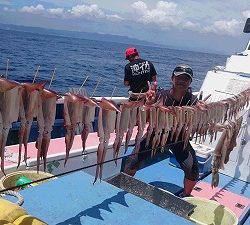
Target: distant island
<point>80,34</point>
<point>97,37</point>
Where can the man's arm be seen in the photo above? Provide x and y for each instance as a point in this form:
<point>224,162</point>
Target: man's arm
<point>154,78</point>
<point>126,76</point>
<point>126,82</point>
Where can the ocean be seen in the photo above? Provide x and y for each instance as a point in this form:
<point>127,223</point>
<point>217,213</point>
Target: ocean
<point>75,59</point>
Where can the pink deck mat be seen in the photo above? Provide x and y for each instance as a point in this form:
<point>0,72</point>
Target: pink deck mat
<point>57,145</point>
<point>238,204</point>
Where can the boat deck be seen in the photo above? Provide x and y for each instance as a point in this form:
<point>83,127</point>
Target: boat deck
<point>231,192</point>
<point>74,200</point>
<point>102,203</point>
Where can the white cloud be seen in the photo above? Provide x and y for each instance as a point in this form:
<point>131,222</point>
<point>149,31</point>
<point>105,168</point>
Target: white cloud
<point>140,7</point>
<point>168,14</point>
<point>165,13</point>
<point>114,17</point>
<point>56,11</point>
<point>192,26</point>
<point>231,27</point>
<point>246,13</point>
<point>92,11</point>
<point>33,9</point>
<point>87,10</point>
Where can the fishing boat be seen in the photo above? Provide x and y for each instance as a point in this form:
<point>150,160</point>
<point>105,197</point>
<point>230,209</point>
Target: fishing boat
<point>151,196</point>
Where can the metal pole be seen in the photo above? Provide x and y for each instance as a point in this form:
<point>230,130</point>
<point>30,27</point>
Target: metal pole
<point>83,84</point>
<point>52,78</point>
<point>96,86</point>
<point>35,76</point>
<point>7,68</point>
<point>113,93</point>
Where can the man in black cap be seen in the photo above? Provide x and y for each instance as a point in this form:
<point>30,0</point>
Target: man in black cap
<point>179,95</point>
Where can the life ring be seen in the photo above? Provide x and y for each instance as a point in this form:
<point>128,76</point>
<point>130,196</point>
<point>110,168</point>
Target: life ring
<point>20,199</point>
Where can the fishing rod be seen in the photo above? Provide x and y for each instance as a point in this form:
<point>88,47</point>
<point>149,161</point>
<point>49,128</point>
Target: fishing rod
<point>113,93</point>
<point>36,73</point>
<point>7,68</point>
<point>87,77</point>
<point>99,80</point>
<point>52,78</point>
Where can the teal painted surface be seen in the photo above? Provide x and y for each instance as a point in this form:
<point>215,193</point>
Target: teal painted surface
<point>74,200</point>
<point>247,222</point>
<point>162,175</point>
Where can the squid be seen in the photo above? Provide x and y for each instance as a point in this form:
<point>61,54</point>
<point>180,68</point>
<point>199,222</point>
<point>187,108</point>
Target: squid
<point>161,118</point>
<point>30,108</point>
<point>236,126</point>
<point>151,125</point>
<point>133,119</point>
<point>142,120</point>
<point>217,158</point>
<point>106,125</point>
<point>121,128</point>
<point>9,108</point>
<point>153,117</point>
<point>89,106</point>
<point>168,124</point>
<point>46,120</point>
<point>73,112</point>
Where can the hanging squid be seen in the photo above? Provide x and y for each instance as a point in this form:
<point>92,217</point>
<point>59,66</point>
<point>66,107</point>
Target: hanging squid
<point>106,125</point>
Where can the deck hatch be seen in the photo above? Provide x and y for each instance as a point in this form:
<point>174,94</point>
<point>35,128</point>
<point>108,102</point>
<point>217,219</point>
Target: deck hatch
<point>152,194</point>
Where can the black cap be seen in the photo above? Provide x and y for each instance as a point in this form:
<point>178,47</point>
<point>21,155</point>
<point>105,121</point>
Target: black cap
<point>183,69</point>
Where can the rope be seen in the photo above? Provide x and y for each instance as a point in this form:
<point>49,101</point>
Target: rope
<point>79,169</point>
<point>20,199</point>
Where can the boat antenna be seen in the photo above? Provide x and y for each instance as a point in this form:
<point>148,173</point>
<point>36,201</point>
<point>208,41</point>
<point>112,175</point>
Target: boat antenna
<point>7,68</point>
<point>113,93</point>
<point>52,78</point>
<point>87,77</point>
<point>99,80</point>
<point>35,76</point>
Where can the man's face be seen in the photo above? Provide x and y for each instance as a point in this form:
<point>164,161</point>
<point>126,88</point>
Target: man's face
<point>182,81</point>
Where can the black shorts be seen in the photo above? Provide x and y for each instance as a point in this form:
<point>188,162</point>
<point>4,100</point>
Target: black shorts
<point>185,157</point>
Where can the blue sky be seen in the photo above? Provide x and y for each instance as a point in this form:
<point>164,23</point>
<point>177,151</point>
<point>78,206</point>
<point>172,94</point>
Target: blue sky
<point>213,25</point>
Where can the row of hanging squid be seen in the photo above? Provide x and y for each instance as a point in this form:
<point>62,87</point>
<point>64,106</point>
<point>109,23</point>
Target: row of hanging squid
<point>177,123</point>
<point>28,101</point>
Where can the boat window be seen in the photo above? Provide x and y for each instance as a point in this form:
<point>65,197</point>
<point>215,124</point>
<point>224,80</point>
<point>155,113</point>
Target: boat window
<point>247,26</point>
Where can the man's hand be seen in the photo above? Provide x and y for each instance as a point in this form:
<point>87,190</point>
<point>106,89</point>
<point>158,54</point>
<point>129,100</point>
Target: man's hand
<point>201,104</point>
<point>151,93</point>
<point>126,83</point>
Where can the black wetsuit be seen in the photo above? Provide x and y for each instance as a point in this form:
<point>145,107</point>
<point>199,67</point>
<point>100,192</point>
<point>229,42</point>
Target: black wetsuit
<point>185,157</point>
